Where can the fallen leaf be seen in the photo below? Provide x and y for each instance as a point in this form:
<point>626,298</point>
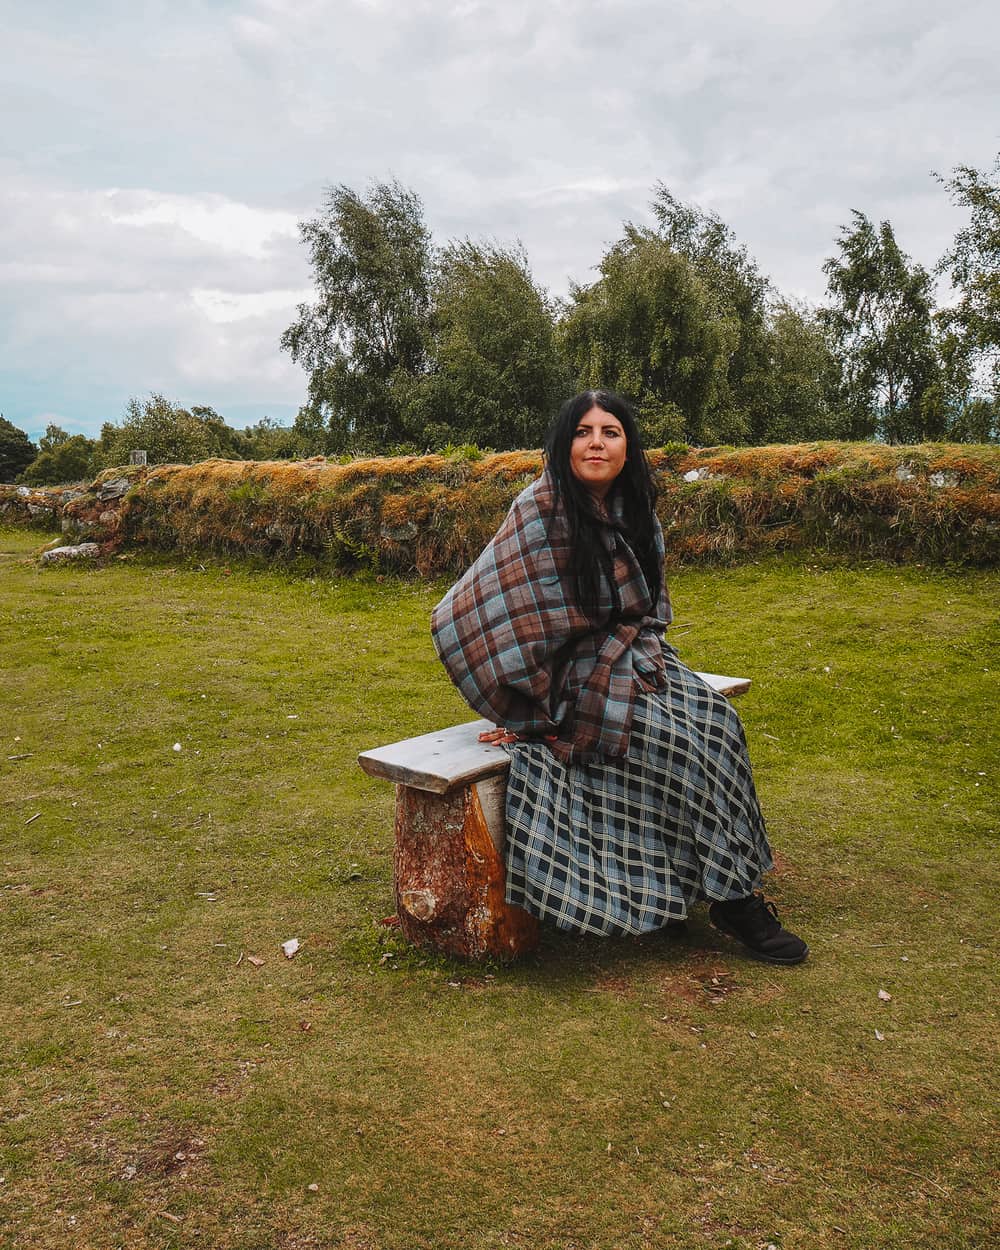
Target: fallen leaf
<point>390,922</point>
<point>290,947</point>
<point>255,960</point>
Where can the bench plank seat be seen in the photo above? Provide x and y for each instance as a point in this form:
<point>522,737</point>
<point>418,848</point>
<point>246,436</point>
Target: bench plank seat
<point>437,761</point>
<point>447,758</point>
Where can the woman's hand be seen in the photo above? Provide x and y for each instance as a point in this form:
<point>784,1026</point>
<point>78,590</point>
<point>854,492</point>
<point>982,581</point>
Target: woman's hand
<point>504,737</point>
<point>498,736</point>
<point>563,751</point>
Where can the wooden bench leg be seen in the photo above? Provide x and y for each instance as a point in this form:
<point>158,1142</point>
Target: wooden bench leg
<point>449,873</point>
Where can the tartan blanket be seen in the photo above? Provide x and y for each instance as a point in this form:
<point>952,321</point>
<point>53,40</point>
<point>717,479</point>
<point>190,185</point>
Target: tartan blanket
<point>526,656</point>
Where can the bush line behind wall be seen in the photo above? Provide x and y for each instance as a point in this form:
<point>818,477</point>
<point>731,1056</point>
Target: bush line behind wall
<point>431,515</point>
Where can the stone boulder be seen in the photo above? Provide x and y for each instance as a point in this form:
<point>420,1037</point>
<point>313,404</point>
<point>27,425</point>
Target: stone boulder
<point>83,551</point>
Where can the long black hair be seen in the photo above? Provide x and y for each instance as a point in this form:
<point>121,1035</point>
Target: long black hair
<point>589,560</point>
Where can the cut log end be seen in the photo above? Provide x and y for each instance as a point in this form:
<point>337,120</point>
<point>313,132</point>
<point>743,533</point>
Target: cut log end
<point>449,876</point>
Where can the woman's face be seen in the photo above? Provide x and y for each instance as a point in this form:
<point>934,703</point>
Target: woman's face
<point>597,453</point>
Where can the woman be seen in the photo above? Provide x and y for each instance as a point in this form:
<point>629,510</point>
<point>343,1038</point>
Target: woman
<point>630,795</point>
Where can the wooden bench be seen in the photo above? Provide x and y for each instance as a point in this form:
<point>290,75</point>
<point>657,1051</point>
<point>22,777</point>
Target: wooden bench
<point>448,863</point>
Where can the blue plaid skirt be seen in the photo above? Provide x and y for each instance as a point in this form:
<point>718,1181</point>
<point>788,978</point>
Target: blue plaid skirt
<point>628,845</point>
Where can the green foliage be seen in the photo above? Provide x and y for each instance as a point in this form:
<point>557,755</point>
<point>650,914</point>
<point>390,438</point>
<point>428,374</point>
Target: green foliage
<point>880,319</point>
<point>796,386</point>
<point>365,340</point>
<point>738,294</point>
<point>168,434</point>
<point>16,451</point>
<point>61,458</point>
<point>269,440</point>
<point>409,345</point>
<point>647,328</point>
<point>973,263</point>
<point>977,420</point>
<point>311,435</point>
<point>225,442</point>
<point>496,376</point>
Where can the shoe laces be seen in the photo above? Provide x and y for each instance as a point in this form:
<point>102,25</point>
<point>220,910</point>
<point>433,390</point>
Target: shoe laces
<point>765,915</point>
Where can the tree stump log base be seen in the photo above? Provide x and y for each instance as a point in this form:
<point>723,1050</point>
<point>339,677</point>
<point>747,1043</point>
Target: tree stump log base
<point>448,864</point>
<point>449,874</point>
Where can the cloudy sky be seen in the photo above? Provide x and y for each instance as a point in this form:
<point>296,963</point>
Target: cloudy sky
<point>155,157</point>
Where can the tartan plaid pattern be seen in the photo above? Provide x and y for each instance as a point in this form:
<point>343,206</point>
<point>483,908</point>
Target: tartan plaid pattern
<point>626,845</point>
<point>524,655</point>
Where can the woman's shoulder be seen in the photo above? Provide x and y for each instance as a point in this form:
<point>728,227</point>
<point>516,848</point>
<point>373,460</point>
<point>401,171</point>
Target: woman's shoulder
<point>537,504</point>
<point>539,494</point>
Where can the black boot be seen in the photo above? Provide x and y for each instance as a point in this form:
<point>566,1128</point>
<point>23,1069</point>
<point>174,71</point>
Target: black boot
<point>754,922</point>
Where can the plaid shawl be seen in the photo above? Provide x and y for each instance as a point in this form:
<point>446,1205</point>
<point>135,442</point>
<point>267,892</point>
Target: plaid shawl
<point>526,656</point>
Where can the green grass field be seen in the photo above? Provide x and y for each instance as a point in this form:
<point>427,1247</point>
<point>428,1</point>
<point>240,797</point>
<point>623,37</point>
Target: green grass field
<point>159,1087</point>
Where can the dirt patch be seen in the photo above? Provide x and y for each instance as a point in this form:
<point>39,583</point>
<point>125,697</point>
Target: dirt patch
<point>170,1156</point>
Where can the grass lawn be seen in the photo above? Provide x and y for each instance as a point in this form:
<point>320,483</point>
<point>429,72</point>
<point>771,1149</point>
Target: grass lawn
<point>168,1078</point>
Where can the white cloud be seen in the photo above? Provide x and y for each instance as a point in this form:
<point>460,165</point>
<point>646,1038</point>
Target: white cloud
<point>224,306</point>
<point>212,219</point>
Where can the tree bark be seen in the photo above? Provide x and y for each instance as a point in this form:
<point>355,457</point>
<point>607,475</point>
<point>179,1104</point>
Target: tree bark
<point>449,874</point>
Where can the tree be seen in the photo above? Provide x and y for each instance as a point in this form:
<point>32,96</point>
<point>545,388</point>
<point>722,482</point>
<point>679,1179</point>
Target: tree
<point>16,451</point>
<point>226,443</point>
<point>269,440</point>
<point>61,458</point>
<point>496,375</point>
<point>365,339</point>
<point>647,328</point>
<point>973,264</point>
<point>880,319</point>
<point>312,435</point>
<point>738,298</point>
<point>168,434</point>
<point>799,381</point>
